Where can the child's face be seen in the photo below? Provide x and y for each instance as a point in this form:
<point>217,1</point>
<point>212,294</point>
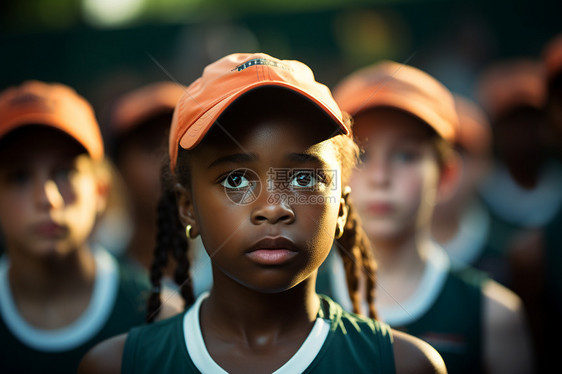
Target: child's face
<point>48,194</point>
<point>140,162</point>
<point>266,207</point>
<point>395,187</point>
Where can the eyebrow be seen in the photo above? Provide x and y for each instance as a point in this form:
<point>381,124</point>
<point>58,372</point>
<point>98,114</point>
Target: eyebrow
<point>306,158</point>
<point>234,158</point>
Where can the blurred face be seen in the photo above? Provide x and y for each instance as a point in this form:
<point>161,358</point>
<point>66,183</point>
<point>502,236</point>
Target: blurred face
<point>395,187</point>
<point>519,137</point>
<point>140,162</point>
<point>48,194</point>
<point>266,207</point>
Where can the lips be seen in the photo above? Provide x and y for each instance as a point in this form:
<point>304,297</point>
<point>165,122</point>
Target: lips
<point>50,230</point>
<point>272,251</point>
<point>379,208</point>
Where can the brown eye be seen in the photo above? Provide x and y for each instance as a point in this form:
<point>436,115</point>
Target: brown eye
<point>305,179</point>
<point>235,180</point>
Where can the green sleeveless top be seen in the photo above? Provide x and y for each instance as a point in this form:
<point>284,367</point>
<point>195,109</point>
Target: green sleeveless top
<point>453,325</point>
<point>446,310</point>
<point>349,344</point>
<point>117,304</point>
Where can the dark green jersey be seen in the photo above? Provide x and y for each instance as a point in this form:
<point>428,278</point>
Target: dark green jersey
<point>454,323</point>
<point>346,343</point>
<point>117,304</point>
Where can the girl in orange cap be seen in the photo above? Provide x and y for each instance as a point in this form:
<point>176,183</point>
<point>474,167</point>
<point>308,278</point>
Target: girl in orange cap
<point>59,293</point>
<point>260,155</point>
<point>405,122</point>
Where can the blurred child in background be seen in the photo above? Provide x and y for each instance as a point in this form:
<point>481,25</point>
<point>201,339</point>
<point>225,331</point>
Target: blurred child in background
<point>536,257</point>
<point>59,294</point>
<point>405,122</point>
<point>524,189</point>
<point>139,127</point>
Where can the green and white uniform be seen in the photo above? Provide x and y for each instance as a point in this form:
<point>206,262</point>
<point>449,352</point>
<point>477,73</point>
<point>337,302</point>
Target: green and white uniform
<point>118,302</point>
<point>339,342</point>
<point>445,310</point>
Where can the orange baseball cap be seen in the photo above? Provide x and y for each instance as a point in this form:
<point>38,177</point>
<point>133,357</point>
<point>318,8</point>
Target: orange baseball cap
<point>474,132</point>
<point>404,87</point>
<point>54,105</point>
<point>227,79</point>
<point>507,84</point>
<point>134,107</point>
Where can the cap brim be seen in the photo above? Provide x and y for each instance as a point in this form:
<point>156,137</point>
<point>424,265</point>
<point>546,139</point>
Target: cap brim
<point>402,102</point>
<point>53,121</point>
<point>195,133</point>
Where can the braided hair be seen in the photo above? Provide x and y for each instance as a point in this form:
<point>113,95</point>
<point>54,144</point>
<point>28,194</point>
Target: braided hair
<point>354,246</point>
<point>170,241</point>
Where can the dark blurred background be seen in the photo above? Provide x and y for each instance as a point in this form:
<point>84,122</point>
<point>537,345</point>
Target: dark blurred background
<point>105,47</point>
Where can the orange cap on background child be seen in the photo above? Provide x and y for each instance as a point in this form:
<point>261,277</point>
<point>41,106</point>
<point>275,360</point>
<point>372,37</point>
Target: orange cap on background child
<point>404,87</point>
<point>474,132</point>
<point>508,84</point>
<point>54,105</point>
<point>227,79</point>
<point>136,106</point>
<point>552,57</point>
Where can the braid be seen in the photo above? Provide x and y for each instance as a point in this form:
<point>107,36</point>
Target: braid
<point>182,275</point>
<point>368,262</point>
<point>355,249</point>
<point>163,243</point>
<point>354,246</point>
<point>170,240</point>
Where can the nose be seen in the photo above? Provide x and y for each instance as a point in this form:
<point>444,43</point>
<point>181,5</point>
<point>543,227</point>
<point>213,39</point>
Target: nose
<point>48,195</point>
<point>272,208</point>
<point>378,172</point>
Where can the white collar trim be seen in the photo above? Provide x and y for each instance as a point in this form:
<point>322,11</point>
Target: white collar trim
<point>429,288</point>
<point>78,332</point>
<point>204,362</point>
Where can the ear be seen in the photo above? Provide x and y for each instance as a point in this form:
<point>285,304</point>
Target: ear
<point>186,211</point>
<point>105,178</point>
<point>343,212</point>
<point>449,178</point>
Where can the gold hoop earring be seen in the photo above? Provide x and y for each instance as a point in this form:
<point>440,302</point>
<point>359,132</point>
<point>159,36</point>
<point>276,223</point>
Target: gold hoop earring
<point>188,231</point>
<point>339,232</point>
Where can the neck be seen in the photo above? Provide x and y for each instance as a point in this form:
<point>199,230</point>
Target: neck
<point>401,263</point>
<point>525,171</point>
<point>57,276</point>
<point>446,223</point>
<point>254,316</point>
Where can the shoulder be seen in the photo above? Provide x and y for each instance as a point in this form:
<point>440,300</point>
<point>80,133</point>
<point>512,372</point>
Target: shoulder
<point>105,357</point>
<point>507,340</point>
<point>114,354</point>
<point>413,355</point>
<point>501,302</point>
<point>349,322</point>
